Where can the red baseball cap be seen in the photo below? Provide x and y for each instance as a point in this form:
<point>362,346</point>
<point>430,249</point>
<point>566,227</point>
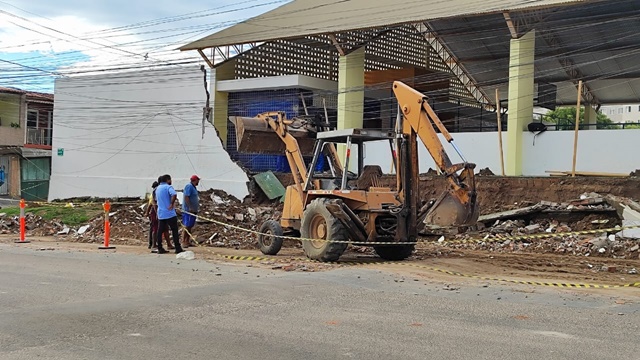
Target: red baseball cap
<point>194,177</point>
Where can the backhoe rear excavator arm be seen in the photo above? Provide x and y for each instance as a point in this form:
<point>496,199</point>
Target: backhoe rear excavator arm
<point>276,120</point>
<point>458,205</point>
<point>281,126</point>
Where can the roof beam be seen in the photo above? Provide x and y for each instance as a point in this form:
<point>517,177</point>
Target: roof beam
<point>206,58</point>
<point>529,21</point>
<point>570,67</point>
<point>454,65</point>
<point>512,27</point>
<point>335,43</point>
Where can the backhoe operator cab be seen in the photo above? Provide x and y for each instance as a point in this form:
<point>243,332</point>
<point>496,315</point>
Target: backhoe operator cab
<point>331,208</point>
<point>349,206</point>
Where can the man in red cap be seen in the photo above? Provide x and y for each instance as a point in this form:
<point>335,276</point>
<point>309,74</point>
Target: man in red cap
<point>190,205</point>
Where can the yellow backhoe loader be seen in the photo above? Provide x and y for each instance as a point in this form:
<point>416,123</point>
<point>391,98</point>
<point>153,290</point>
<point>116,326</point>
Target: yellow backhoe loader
<point>331,207</point>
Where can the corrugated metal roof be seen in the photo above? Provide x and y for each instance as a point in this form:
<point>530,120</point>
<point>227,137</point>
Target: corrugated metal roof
<point>310,17</point>
<point>599,37</point>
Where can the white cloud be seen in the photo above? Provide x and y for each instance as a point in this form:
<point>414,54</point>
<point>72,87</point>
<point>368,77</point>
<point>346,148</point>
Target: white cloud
<point>53,39</point>
<point>75,37</point>
<point>21,36</point>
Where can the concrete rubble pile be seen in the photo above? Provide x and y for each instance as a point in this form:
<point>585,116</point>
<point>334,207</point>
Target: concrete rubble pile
<point>34,224</point>
<point>129,226</point>
<point>589,213</point>
<point>218,206</point>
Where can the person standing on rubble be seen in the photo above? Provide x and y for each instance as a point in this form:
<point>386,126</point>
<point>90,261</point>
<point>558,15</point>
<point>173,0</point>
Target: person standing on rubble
<point>166,197</point>
<point>190,206</point>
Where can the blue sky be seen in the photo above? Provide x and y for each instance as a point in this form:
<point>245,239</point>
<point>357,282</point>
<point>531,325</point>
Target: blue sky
<point>42,39</point>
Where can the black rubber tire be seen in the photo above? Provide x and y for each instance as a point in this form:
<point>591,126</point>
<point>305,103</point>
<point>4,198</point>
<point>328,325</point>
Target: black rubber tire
<point>323,251</point>
<point>394,252</point>
<point>270,245</point>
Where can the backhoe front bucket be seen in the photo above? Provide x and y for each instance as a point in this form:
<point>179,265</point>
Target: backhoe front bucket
<point>457,206</point>
<point>255,136</point>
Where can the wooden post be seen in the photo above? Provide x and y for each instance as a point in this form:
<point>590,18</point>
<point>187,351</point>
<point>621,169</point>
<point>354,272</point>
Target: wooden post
<point>499,131</point>
<point>575,137</point>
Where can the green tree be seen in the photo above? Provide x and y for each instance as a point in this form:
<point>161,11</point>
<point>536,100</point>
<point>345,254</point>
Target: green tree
<point>565,117</point>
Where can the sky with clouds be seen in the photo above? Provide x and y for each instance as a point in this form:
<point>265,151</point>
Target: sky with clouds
<point>43,39</point>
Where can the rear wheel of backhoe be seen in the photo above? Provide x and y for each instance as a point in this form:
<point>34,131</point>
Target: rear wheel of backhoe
<point>318,223</point>
<point>394,252</point>
<point>270,239</point>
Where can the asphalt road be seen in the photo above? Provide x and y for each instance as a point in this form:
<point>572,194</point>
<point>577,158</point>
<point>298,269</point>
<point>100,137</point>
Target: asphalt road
<point>86,305</point>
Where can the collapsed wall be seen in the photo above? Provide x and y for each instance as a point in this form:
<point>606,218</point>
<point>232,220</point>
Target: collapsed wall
<point>114,134</point>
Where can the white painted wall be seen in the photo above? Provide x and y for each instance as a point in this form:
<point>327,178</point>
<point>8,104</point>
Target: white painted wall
<point>598,150</point>
<point>121,131</point>
<point>476,147</point>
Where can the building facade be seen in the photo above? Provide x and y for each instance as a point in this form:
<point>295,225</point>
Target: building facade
<point>26,131</point>
<point>116,133</point>
<point>628,113</point>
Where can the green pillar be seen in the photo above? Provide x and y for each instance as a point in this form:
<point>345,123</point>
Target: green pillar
<point>521,87</point>
<point>590,117</point>
<point>351,90</point>
<point>219,101</point>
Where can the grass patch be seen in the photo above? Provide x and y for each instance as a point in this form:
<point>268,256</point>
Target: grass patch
<point>72,216</point>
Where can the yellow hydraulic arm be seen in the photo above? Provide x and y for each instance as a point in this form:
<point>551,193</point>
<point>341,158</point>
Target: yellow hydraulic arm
<point>458,205</point>
<point>278,123</point>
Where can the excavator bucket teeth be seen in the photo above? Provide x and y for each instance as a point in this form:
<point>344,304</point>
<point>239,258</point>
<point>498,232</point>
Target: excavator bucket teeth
<point>450,210</point>
<point>255,136</point>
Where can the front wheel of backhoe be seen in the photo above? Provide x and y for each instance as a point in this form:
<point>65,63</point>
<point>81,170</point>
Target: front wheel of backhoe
<point>270,240</point>
<point>318,223</point>
<point>394,252</point>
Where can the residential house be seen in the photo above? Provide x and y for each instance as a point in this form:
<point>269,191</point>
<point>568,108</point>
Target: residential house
<point>26,123</point>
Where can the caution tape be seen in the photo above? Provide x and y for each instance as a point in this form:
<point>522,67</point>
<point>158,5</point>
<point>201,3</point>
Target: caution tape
<point>474,240</point>
<point>525,282</point>
<point>542,236</point>
<point>80,204</point>
<point>392,243</point>
<point>443,271</point>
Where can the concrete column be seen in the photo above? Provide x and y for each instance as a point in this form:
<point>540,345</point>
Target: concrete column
<point>351,90</point>
<point>590,118</point>
<point>219,101</point>
<point>521,87</point>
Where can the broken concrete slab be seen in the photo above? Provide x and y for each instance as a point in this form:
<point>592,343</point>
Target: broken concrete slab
<point>630,233</point>
<point>587,201</point>
<point>532,229</point>
<point>627,209</point>
<point>502,215</point>
<point>83,229</point>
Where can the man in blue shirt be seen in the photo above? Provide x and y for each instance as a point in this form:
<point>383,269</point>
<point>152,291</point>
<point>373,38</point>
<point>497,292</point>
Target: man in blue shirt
<point>190,206</point>
<point>166,198</point>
